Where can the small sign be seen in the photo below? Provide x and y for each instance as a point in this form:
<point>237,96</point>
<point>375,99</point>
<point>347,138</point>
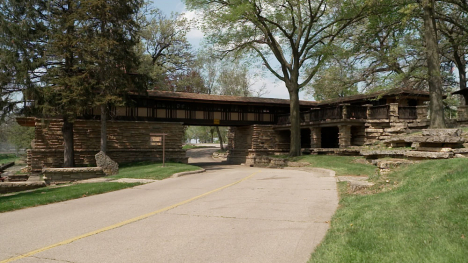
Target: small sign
<point>156,140</point>
<point>216,122</point>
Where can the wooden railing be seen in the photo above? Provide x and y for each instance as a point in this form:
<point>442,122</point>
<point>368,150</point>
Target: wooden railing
<point>379,112</point>
<point>407,113</point>
<point>357,112</point>
<point>351,112</point>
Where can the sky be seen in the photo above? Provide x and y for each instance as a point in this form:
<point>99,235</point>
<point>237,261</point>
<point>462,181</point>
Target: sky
<point>274,87</point>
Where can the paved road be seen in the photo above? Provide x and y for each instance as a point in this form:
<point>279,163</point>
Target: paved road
<point>228,214</point>
<point>202,155</point>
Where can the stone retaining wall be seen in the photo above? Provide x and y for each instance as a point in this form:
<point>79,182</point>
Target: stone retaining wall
<point>126,142</point>
<point>11,187</point>
<point>64,175</point>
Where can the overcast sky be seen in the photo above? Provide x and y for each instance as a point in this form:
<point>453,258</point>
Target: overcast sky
<point>275,89</point>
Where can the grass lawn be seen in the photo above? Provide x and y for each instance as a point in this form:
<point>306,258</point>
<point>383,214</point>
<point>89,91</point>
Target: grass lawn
<point>342,165</point>
<point>49,195</point>
<point>8,158</point>
<point>423,219</point>
<point>155,171</point>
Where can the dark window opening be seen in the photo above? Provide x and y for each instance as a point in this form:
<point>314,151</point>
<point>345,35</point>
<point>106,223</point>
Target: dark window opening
<point>330,137</point>
<point>412,102</point>
<point>305,138</point>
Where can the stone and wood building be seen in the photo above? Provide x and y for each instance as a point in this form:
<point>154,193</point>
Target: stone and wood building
<point>258,126</point>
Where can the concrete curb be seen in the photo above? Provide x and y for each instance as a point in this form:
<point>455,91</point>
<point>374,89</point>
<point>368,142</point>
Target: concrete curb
<point>187,173</point>
<point>321,171</point>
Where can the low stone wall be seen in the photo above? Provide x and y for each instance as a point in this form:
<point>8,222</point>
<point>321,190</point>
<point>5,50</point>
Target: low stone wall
<point>11,187</point>
<point>127,142</point>
<point>66,175</point>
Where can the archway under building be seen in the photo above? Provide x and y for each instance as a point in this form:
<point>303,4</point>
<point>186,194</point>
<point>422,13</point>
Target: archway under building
<point>305,138</point>
<point>330,137</point>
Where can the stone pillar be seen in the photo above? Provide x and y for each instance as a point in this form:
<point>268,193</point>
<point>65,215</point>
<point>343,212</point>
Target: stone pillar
<point>315,137</point>
<point>394,112</point>
<point>344,110</point>
<point>421,112</point>
<point>344,136</point>
<point>240,143</point>
<point>462,113</point>
<point>368,112</point>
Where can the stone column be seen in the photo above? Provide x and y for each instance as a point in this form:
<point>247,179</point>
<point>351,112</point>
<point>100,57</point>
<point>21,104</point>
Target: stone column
<point>394,112</point>
<point>368,112</point>
<point>344,111</point>
<point>462,113</point>
<point>315,137</point>
<point>240,144</point>
<point>421,112</point>
<point>344,136</point>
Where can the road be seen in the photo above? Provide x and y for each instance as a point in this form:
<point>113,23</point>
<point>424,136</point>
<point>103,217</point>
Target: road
<point>227,214</point>
<point>202,156</point>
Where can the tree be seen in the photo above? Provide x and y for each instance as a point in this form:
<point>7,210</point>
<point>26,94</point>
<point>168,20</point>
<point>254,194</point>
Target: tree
<point>166,53</point>
<point>382,51</point>
<point>295,35</point>
<point>67,55</point>
<point>335,80</point>
<point>436,106</point>
<point>20,136</point>
<point>110,33</point>
<point>22,51</point>
<point>452,18</point>
<point>11,133</point>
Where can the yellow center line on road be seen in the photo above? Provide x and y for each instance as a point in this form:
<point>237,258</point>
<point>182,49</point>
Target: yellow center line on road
<point>123,223</point>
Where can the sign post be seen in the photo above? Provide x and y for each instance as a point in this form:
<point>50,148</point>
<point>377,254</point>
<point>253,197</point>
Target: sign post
<point>158,139</point>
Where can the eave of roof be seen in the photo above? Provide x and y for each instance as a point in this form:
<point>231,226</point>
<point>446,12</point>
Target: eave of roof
<point>381,94</point>
<point>185,96</point>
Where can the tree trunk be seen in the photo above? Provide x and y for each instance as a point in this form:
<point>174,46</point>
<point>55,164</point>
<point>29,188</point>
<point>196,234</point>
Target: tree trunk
<point>103,128</point>
<point>436,105</point>
<point>68,149</point>
<point>461,65</point>
<point>295,146</point>
<point>220,139</point>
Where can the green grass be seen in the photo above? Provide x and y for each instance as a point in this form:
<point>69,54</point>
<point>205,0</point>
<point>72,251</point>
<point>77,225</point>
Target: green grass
<point>342,165</point>
<point>424,218</point>
<point>155,171</point>
<point>8,158</point>
<point>49,195</point>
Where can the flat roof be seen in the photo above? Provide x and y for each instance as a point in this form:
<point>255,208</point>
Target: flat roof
<point>185,96</point>
<point>384,93</point>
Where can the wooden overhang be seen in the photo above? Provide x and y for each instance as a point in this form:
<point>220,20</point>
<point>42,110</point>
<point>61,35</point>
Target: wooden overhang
<point>461,92</point>
<point>365,98</point>
<point>218,99</point>
<point>26,121</point>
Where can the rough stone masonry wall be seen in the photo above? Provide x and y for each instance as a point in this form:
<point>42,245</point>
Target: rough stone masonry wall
<point>380,130</point>
<point>263,137</point>
<point>239,143</point>
<point>126,142</point>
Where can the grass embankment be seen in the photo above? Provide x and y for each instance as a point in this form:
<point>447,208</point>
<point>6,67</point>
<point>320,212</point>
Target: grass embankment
<point>342,165</point>
<point>50,195</point>
<point>155,171</point>
<point>424,218</point>
<point>8,158</point>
